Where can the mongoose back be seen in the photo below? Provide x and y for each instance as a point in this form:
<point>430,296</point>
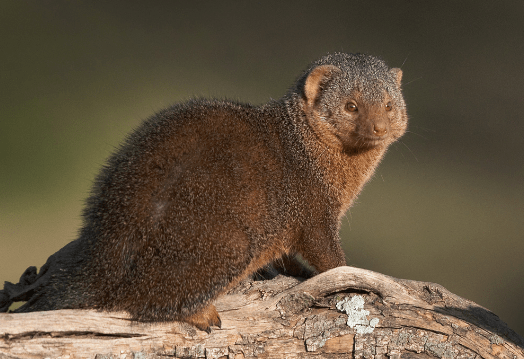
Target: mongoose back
<point>207,192</point>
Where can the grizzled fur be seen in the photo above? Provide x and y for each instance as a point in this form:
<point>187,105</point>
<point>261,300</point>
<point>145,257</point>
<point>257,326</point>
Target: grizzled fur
<point>207,192</point>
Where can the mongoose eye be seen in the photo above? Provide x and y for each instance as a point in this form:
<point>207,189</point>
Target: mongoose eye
<point>389,107</point>
<point>351,107</point>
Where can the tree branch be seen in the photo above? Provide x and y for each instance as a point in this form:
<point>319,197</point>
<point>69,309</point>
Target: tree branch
<point>345,312</point>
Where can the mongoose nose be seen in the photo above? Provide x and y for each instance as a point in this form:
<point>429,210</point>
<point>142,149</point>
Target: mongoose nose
<point>380,129</point>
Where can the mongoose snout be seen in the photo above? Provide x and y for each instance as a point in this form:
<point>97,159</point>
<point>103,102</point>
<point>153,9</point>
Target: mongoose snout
<point>380,128</point>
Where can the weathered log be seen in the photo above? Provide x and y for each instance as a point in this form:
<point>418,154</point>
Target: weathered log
<point>343,313</point>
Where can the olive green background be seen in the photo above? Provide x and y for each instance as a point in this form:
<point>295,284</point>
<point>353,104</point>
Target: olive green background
<point>447,203</point>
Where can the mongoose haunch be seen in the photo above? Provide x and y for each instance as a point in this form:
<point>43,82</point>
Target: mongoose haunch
<point>207,192</point>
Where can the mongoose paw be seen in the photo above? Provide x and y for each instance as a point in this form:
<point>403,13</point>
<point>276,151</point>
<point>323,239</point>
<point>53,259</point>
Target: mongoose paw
<point>205,318</point>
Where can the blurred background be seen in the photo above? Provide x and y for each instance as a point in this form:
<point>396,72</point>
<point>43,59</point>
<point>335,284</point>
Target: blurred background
<point>445,206</point>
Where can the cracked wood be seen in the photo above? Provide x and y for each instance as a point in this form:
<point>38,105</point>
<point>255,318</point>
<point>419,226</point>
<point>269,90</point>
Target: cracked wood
<point>281,318</point>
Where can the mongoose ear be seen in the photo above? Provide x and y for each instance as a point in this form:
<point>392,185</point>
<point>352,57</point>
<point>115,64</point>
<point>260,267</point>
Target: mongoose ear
<point>314,81</point>
<point>397,73</point>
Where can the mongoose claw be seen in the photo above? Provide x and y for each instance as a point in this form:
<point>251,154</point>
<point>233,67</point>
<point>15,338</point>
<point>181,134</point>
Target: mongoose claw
<point>217,322</point>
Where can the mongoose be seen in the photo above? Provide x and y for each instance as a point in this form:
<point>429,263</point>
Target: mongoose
<point>207,192</point>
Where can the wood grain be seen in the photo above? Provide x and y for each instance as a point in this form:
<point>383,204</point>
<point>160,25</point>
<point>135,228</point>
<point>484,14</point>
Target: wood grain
<point>281,318</point>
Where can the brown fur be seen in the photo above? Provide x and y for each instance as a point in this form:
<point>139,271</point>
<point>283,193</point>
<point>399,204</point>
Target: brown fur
<point>207,192</point>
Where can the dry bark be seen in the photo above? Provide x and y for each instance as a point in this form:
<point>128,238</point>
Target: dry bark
<point>283,318</point>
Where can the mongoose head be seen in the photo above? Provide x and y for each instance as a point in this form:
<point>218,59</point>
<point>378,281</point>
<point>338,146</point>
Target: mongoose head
<point>353,101</point>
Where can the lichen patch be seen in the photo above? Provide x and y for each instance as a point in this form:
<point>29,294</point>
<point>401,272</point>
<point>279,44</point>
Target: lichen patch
<point>357,315</point>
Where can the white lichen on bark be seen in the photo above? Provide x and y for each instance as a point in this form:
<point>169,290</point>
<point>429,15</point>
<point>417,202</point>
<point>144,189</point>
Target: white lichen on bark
<point>357,315</point>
